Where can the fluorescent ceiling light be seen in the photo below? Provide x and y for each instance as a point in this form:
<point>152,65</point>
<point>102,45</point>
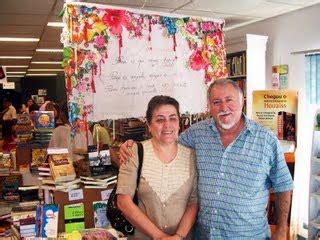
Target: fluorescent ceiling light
<point>42,62</point>
<point>49,50</point>
<point>45,70</point>
<point>15,66</point>
<point>41,74</point>
<point>16,72</point>
<point>15,57</point>
<point>55,24</point>
<point>13,76</point>
<point>17,39</point>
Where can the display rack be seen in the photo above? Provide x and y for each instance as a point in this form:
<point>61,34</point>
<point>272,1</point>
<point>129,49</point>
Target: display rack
<point>314,190</point>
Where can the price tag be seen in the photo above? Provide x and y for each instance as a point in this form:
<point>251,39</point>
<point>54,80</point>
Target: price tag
<point>76,195</point>
<point>105,194</point>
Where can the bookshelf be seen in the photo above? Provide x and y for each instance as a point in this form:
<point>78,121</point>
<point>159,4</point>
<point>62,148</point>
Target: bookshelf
<point>314,187</point>
<point>237,70</point>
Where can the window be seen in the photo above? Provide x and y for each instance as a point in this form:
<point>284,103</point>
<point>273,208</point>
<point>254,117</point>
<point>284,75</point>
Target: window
<point>312,76</point>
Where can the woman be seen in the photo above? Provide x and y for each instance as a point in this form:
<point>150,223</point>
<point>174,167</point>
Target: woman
<point>61,137</point>
<point>25,107</point>
<point>168,185</point>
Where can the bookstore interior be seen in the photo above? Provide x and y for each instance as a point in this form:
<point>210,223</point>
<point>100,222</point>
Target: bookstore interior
<point>62,127</point>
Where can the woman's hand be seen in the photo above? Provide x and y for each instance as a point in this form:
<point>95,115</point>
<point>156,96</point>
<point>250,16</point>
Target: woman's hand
<point>125,151</point>
<point>174,237</point>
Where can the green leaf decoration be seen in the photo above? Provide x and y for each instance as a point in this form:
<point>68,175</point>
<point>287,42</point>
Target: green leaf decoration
<point>213,61</point>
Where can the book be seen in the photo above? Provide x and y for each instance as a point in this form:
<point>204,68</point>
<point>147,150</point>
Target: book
<point>57,150</point>
<point>100,214</point>
<point>47,221</point>
<point>44,120</point>
<point>100,160</point>
<point>38,156</point>
<point>61,167</point>
<point>74,217</point>
<point>286,126</point>
<point>10,187</point>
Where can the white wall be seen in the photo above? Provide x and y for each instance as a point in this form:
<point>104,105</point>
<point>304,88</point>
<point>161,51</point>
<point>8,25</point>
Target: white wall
<point>289,33</point>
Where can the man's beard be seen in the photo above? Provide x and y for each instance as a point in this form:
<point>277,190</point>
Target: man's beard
<point>226,126</point>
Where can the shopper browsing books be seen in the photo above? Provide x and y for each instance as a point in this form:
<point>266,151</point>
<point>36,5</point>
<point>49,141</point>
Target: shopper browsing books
<point>168,184</point>
<point>61,137</point>
<point>238,162</point>
<point>9,118</point>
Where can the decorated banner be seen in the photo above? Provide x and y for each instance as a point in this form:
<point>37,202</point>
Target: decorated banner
<point>277,110</point>
<point>116,60</point>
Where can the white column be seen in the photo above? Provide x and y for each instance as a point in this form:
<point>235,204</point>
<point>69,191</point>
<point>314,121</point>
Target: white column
<point>256,67</point>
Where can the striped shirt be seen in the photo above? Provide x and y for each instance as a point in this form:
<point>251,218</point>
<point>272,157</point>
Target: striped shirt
<point>234,182</point>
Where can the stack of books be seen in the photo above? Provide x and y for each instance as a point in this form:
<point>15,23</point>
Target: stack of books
<point>23,216</point>
<point>90,182</point>
<point>44,126</point>
<point>9,186</point>
<point>27,227</point>
<point>49,184</point>
<point>23,128</point>
<point>5,216</point>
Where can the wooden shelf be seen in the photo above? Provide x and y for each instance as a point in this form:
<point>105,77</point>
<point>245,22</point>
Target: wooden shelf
<point>237,76</point>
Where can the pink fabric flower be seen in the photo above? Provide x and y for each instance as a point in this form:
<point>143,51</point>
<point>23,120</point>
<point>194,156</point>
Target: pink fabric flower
<point>190,28</point>
<point>100,41</point>
<point>196,60</point>
<point>207,26</point>
<point>115,19</point>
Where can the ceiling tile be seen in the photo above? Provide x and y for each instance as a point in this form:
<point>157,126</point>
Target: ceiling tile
<point>34,7</point>
<point>20,31</point>
<point>23,20</point>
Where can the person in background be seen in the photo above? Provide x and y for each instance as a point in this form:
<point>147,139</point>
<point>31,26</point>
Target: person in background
<point>34,107</point>
<point>51,106</point>
<point>61,136</point>
<point>9,118</point>
<point>167,191</point>
<point>25,106</point>
<point>238,162</point>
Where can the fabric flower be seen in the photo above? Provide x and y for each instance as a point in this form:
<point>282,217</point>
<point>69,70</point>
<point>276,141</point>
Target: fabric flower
<point>100,41</point>
<point>207,27</point>
<point>115,19</point>
<point>191,28</point>
<point>196,60</point>
<point>170,25</point>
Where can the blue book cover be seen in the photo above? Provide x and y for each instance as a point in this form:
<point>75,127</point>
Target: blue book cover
<point>44,120</point>
<point>47,221</point>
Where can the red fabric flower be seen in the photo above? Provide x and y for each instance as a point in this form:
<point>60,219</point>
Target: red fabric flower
<point>115,19</point>
<point>196,60</point>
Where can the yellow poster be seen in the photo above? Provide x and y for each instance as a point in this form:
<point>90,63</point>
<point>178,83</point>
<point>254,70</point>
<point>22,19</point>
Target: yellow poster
<point>276,110</point>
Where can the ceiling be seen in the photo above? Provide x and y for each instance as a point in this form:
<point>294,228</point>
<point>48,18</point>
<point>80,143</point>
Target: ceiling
<point>29,18</point>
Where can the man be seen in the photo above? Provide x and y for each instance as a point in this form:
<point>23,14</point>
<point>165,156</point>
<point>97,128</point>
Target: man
<point>238,162</point>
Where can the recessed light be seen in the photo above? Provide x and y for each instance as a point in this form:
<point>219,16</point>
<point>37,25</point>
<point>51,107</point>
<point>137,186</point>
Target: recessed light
<point>43,62</point>
<point>45,70</point>
<point>55,24</point>
<point>16,72</point>
<point>13,76</point>
<point>41,74</point>
<point>49,50</point>
<point>16,39</point>
<point>15,66</point>
<point>15,57</point>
